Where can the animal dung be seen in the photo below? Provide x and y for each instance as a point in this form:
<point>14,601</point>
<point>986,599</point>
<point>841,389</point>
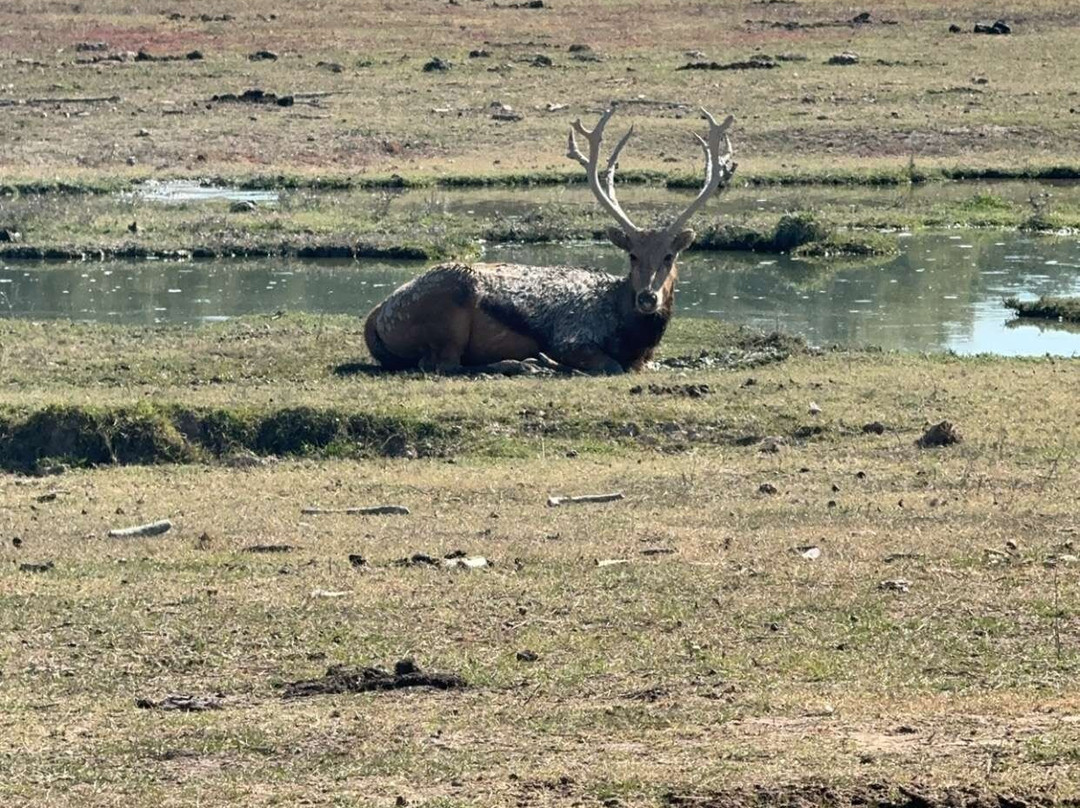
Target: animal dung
<point>940,434</point>
<point>151,529</point>
<point>555,502</point>
<point>364,680</point>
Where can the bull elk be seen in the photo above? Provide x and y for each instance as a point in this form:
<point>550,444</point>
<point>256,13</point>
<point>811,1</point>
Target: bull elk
<point>511,318</point>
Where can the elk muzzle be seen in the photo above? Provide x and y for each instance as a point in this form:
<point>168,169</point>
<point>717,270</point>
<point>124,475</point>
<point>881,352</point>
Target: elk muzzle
<point>647,301</point>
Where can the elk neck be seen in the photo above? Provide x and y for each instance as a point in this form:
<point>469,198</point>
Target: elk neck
<point>638,334</point>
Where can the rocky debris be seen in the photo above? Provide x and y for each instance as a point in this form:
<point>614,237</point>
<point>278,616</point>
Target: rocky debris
<point>753,63</point>
<point>333,67</point>
<point>533,4</point>
<point>30,567</point>
<point>464,562</point>
<point>688,390</point>
<point>540,60</point>
<point>525,655</point>
<point>339,679</point>
<point>479,53</point>
<point>808,431</point>
<point>583,53</point>
<point>436,65</point>
<point>861,19</point>
<point>767,488</point>
<point>955,29</point>
<point>996,28</point>
<point>176,16</point>
<point>771,445</point>
<point>98,58</point>
<point>146,56</point>
<point>417,560</point>
<point>181,702</point>
<point>263,56</point>
<point>91,47</point>
<point>243,206</point>
<point>940,434</point>
<point>254,96</point>
<point>10,236</point>
<point>874,428</point>
<point>504,112</point>
<point>269,548</point>
<point>140,531</point>
<point>845,58</point>
<point>895,585</point>
<point>611,562</point>
<point>811,552</point>
<point>356,561</point>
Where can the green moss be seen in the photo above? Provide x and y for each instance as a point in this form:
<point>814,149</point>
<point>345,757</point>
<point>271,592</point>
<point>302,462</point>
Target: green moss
<point>1048,308</point>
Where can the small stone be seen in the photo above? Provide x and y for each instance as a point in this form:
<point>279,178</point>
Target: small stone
<point>437,65</point>
<point>527,656</point>
<point>263,56</point>
<point>767,488</point>
<point>845,58</point>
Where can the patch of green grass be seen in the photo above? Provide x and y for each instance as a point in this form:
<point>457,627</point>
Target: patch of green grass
<point>1047,308</point>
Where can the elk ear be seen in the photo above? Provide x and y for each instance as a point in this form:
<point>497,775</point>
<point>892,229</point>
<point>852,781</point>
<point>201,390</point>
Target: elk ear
<point>619,238</point>
<point>681,241</point>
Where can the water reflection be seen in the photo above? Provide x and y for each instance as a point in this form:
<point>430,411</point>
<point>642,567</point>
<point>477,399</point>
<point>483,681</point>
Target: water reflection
<point>943,293</point>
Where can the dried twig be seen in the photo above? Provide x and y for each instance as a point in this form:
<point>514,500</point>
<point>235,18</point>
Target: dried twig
<point>554,502</point>
<point>373,510</point>
<point>152,529</point>
<point>36,102</point>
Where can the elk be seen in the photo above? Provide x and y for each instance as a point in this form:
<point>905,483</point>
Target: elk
<point>509,318</point>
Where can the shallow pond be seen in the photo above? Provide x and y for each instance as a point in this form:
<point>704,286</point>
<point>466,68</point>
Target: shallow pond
<point>944,292</point>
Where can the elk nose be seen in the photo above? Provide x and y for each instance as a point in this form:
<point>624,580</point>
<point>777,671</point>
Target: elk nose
<point>646,301</point>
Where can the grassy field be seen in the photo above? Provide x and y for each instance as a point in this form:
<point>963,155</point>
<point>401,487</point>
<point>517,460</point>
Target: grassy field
<point>718,665</point>
<point>920,99</point>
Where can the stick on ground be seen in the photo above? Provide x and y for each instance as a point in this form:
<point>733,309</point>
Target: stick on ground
<point>374,510</point>
<point>554,502</point>
<point>152,529</point>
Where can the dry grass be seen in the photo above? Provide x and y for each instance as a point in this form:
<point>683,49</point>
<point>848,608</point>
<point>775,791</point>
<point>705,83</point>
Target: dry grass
<point>803,117</point>
<point>730,664</point>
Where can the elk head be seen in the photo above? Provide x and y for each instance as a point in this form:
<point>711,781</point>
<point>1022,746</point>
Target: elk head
<point>652,252</point>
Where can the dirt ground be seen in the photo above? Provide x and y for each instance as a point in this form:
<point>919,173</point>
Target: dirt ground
<point>362,102</point>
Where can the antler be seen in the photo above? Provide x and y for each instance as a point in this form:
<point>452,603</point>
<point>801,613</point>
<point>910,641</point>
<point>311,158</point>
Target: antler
<point>605,193</point>
<point>719,168</point>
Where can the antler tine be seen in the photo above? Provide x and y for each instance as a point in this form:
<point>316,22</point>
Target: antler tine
<point>719,166</point>
<point>604,195</point>
<point>613,160</point>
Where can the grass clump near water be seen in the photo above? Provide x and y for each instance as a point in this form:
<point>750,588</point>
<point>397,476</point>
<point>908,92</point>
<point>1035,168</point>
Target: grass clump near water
<point>1047,308</point>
